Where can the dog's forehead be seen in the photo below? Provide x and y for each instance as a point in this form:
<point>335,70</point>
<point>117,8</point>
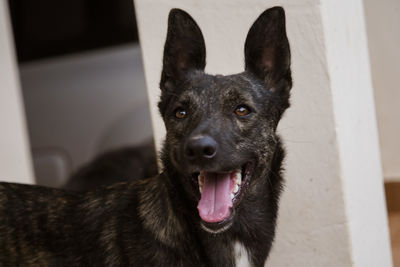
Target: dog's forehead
<point>205,86</point>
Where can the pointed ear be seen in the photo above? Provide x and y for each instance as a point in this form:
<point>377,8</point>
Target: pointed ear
<point>267,52</point>
<point>184,48</point>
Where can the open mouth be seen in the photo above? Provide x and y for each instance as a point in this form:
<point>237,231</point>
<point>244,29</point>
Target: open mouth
<point>220,193</point>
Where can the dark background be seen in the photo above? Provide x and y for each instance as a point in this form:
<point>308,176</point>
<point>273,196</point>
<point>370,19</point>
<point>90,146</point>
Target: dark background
<point>47,28</point>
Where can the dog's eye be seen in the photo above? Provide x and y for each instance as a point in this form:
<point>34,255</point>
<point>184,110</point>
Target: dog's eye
<point>180,113</point>
<point>242,110</point>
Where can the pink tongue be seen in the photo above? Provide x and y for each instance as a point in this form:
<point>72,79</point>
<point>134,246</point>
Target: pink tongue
<point>215,202</point>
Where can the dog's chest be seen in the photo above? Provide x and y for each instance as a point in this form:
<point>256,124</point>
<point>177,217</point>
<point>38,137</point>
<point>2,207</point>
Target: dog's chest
<point>241,255</point>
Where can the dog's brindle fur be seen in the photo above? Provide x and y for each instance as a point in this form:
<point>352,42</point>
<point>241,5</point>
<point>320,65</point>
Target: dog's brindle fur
<point>154,221</point>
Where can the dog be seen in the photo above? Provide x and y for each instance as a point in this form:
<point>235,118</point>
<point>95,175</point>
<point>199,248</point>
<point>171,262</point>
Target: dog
<point>216,201</point>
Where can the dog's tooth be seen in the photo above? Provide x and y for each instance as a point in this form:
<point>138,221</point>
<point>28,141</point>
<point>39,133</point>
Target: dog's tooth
<point>238,179</point>
<point>200,179</point>
<point>236,188</point>
<point>232,195</point>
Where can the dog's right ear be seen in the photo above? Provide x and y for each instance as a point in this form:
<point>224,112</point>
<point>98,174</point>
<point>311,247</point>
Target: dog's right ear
<point>184,48</point>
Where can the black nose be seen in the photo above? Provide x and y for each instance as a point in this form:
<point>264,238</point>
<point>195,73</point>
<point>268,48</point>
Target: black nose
<point>201,147</point>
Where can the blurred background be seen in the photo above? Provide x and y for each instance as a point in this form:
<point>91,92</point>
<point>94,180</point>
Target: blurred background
<point>82,81</point>
<point>84,90</point>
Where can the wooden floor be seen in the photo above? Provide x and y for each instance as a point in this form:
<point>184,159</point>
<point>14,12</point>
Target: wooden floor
<point>394,223</point>
<point>392,190</point>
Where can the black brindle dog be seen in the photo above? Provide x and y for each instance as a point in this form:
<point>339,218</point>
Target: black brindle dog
<point>217,197</point>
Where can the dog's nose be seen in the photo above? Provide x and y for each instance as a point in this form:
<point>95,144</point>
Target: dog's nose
<point>201,147</point>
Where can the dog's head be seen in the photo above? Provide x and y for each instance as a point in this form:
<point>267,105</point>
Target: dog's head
<point>221,129</point>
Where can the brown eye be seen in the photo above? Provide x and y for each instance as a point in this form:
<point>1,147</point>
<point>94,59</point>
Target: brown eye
<point>242,110</point>
<point>180,113</point>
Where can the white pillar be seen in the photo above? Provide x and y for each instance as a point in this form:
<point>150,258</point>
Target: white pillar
<point>332,211</point>
<point>15,159</point>
<point>356,131</point>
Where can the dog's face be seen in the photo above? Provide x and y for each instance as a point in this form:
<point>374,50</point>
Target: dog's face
<point>221,129</point>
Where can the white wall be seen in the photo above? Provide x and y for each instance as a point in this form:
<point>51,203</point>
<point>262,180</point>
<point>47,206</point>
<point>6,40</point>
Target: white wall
<point>15,162</point>
<point>332,211</point>
<point>383,28</point>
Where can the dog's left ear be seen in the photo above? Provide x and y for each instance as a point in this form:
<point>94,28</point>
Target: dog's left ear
<point>267,52</point>
<point>184,48</point>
